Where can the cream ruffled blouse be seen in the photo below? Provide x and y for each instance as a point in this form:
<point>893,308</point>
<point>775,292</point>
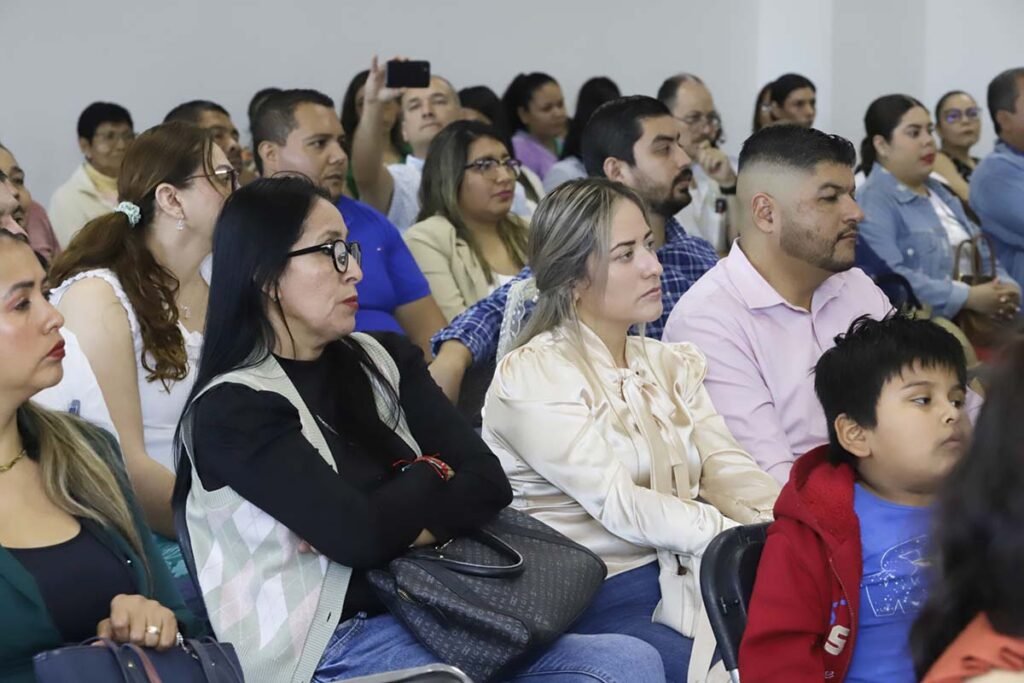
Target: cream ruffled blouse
<point>625,461</point>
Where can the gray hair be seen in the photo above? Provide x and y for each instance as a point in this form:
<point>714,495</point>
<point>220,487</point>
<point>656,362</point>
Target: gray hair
<point>569,238</point>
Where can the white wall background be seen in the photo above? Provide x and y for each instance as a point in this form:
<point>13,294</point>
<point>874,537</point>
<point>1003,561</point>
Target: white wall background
<point>62,54</point>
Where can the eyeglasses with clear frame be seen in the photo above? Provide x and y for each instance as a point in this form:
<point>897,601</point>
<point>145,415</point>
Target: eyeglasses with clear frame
<point>697,120</point>
<point>954,115</point>
<point>110,138</point>
<point>338,250</point>
<point>488,165</point>
<point>224,177</point>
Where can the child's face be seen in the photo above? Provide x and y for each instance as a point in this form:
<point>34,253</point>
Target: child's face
<point>922,430</point>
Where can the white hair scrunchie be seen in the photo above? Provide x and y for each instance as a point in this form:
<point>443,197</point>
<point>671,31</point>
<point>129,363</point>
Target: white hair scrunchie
<point>133,212</point>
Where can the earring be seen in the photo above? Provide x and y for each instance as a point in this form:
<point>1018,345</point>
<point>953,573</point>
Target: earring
<point>181,224</point>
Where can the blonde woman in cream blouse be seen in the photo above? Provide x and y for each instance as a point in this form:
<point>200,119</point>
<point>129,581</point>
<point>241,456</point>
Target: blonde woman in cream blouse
<point>611,439</point>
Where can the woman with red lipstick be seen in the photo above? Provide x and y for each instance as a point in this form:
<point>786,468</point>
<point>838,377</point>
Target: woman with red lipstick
<point>131,288</point>
<point>610,438</point>
<point>303,434</point>
<point>912,223</point>
<point>467,243</point>
<point>76,558</point>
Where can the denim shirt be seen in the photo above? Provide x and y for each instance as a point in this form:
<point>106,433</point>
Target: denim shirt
<point>997,194</point>
<point>901,233</point>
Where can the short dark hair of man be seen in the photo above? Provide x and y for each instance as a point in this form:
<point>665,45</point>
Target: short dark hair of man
<point>275,116</point>
<point>1003,92</point>
<point>850,376</point>
<point>614,128</point>
<point>787,83</point>
<point>192,111</point>
<point>98,113</point>
<point>795,147</point>
<point>669,90</point>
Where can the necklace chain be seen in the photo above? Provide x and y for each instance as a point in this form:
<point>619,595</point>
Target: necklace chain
<point>8,466</point>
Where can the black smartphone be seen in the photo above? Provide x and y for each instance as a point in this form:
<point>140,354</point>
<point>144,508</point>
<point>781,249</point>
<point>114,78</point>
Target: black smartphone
<point>407,74</point>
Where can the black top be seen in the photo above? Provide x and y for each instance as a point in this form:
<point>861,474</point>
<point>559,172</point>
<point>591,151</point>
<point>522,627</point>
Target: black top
<point>368,513</point>
<point>62,570</point>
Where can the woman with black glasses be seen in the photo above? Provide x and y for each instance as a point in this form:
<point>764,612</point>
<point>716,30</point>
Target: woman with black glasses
<point>320,453</point>
<point>958,126</point>
<point>467,242</point>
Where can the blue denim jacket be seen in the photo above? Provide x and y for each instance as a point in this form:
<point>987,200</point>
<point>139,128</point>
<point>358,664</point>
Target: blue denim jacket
<point>997,194</point>
<point>902,233</point>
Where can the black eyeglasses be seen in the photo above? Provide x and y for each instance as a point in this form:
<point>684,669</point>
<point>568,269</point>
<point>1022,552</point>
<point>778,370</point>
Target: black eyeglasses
<point>225,177</point>
<point>488,165</point>
<point>338,250</point>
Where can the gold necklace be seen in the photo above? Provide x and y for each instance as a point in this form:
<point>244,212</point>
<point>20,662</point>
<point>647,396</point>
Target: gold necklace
<point>8,466</point>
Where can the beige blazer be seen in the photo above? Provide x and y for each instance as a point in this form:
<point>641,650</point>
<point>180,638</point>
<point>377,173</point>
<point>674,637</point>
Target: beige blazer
<point>455,275</point>
<point>74,204</point>
<point>634,463</point>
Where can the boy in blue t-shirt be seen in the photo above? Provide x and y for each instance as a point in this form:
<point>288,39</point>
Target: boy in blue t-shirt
<point>842,575</point>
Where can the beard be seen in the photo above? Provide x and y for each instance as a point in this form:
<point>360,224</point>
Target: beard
<point>806,243</point>
<point>662,201</point>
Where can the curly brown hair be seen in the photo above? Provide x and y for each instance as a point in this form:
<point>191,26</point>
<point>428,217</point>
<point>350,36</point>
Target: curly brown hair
<point>169,153</point>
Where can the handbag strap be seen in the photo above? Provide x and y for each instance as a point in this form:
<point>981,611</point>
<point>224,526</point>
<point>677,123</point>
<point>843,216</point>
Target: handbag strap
<point>147,665</point>
<point>489,539</point>
<point>198,648</point>
<point>958,258</point>
<point>991,248</point>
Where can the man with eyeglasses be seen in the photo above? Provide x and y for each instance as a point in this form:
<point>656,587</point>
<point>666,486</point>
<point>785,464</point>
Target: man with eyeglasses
<point>214,118</point>
<point>714,180</point>
<point>104,132</point>
<point>425,112</point>
<point>298,132</point>
<point>997,185</point>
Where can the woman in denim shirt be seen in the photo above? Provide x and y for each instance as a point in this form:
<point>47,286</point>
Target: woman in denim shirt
<point>912,223</point>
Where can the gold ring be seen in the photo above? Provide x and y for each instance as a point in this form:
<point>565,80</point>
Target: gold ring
<point>152,630</point>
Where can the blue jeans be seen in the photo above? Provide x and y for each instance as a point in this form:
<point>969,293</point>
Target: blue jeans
<point>362,646</point>
<point>624,605</point>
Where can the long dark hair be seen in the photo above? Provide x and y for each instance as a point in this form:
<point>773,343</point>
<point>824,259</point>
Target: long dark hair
<point>882,118</point>
<point>257,227</point>
<point>518,95</point>
<point>593,94</point>
<point>171,153</point>
<point>978,542</point>
<point>443,173</point>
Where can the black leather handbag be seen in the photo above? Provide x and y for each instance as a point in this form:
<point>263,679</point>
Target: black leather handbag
<point>103,661</point>
<point>487,601</point>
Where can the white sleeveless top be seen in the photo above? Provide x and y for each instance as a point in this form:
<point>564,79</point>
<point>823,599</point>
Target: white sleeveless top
<point>161,407</point>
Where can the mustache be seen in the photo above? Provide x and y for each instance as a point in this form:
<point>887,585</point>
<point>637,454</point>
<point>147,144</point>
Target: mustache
<point>685,175</point>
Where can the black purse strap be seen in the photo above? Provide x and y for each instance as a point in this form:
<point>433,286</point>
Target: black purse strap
<point>116,652</point>
<point>471,568</point>
<point>210,671</point>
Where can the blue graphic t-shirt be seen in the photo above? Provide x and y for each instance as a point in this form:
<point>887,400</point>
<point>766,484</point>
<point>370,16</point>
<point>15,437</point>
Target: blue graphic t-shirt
<point>892,590</point>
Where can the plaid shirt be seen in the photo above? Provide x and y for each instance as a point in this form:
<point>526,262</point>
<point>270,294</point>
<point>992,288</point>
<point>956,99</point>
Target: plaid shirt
<point>683,259</point>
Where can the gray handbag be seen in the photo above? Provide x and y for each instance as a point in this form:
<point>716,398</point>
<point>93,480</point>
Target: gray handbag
<point>488,601</point>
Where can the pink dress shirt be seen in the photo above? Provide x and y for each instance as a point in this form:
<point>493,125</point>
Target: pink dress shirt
<point>761,352</point>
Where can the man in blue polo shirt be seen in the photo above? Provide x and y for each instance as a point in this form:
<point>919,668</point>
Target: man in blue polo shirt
<point>298,131</point>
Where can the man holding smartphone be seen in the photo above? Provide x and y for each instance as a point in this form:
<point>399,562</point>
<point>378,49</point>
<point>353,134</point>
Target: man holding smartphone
<point>425,111</point>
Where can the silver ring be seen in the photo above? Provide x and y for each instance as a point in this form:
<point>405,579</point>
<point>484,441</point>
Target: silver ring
<point>152,630</point>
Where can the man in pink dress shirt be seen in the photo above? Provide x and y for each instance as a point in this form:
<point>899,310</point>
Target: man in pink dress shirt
<point>765,314</point>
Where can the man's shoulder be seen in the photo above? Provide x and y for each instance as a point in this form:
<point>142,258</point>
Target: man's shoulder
<point>357,213</point>
<point>713,286</point>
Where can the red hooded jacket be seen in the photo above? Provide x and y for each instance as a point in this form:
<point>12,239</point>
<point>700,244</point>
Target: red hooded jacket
<point>802,623</point>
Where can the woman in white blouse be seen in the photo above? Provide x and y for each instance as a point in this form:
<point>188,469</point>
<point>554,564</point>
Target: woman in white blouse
<point>610,438</point>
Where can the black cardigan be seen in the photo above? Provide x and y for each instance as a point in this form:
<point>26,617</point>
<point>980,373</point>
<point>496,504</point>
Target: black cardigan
<point>369,512</point>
